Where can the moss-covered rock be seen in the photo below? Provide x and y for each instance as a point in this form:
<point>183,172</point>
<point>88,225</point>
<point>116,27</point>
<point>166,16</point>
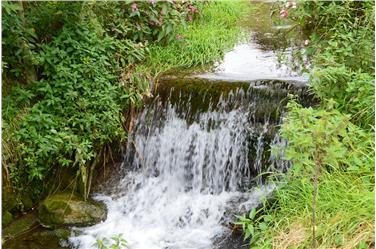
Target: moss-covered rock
<point>70,209</point>
<point>8,198</point>
<point>39,238</point>
<point>20,225</point>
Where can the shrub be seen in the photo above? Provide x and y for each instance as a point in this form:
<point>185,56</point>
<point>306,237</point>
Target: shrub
<point>80,56</point>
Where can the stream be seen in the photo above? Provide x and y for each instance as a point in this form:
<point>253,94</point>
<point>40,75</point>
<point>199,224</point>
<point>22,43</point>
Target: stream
<point>194,157</point>
<point>199,150</point>
<point>185,174</point>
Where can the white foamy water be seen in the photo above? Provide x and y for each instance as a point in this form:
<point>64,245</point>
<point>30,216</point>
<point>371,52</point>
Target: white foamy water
<point>184,180</point>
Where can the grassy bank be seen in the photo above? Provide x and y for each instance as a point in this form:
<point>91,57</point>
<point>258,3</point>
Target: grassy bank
<point>326,200</point>
<point>80,68</point>
<point>205,41</point>
<point>198,45</point>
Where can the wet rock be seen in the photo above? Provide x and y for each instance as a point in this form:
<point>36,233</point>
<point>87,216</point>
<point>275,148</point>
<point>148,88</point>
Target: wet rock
<point>70,209</point>
<point>233,240</point>
<point>60,233</point>
<point>20,226</point>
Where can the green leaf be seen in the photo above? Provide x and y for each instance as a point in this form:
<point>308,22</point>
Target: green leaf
<point>252,214</point>
<point>263,226</point>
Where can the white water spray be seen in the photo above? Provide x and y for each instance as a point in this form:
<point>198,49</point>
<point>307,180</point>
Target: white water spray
<point>183,177</point>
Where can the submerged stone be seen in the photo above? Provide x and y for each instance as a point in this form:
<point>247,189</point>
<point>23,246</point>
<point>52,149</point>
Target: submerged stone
<point>60,233</point>
<point>70,209</point>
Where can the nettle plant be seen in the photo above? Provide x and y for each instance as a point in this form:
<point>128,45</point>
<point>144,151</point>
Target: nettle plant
<point>328,136</point>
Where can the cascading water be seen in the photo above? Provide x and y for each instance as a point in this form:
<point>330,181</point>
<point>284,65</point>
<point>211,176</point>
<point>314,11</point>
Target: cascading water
<point>195,154</point>
<point>193,158</point>
<point>187,173</point>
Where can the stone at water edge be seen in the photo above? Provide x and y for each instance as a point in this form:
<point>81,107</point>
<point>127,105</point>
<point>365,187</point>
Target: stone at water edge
<point>70,209</point>
<point>19,226</point>
<point>8,204</point>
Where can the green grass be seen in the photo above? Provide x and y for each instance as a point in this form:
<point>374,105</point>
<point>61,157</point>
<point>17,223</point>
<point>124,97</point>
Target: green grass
<point>205,41</point>
<point>344,213</point>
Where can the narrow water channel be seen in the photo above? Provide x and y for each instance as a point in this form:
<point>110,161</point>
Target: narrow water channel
<point>197,150</point>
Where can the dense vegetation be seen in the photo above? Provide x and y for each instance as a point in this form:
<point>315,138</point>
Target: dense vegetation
<point>327,198</point>
<point>73,70</point>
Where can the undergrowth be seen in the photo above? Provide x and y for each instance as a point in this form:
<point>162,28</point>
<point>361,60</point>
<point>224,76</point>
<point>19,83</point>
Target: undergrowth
<point>344,208</point>
<point>326,200</point>
<point>67,81</point>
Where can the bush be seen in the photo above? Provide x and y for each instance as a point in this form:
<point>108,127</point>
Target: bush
<point>329,136</point>
<point>343,154</point>
<point>142,21</point>
<point>342,40</point>
<point>71,78</point>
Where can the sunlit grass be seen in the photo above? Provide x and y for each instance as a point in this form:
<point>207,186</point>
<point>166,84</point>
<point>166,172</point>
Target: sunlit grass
<point>344,213</point>
<point>203,42</point>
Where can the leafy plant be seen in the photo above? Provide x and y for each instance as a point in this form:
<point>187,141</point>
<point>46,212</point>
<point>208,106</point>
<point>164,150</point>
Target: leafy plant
<point>247,223</point>
<point>253,225</point>
<point>342,153</point>
<point>341,40</point>
<point>117,242</point>
<point>75,108</point>
<point>142,21</point>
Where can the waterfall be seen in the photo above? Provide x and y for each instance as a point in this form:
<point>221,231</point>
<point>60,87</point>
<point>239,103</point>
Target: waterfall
<point>186,172</point>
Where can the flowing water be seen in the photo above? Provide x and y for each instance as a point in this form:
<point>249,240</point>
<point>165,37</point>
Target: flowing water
<point>196,152</point>
<point>185,177</point>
